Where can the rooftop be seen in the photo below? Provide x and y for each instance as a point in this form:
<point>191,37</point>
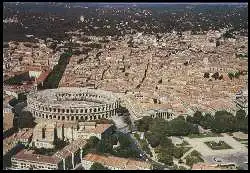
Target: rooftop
<point>204,166</point>
<point>28,155</point>
<point>71,148</point>
<point>121,163</point>
<point>98,129</point>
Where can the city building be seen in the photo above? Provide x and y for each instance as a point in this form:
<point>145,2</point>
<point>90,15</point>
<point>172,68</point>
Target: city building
<point>8,118</point>
<point>161,113</point>
<point>46,133</point>
<point>205,166</point>
<point>114,163</point>
<point>26,160</point>
<point>64,159</point>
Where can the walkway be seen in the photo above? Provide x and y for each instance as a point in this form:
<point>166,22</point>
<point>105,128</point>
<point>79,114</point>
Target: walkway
<point>176,162</point>
<point>153,152</point>
<point>187,153</point>
<point>199,145</point>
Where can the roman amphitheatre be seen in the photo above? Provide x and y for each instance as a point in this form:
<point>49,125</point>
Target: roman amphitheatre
<point>72,104</point>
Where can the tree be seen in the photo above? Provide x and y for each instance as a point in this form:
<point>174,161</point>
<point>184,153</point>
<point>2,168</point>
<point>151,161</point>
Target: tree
<point>79,61</point>
<point>181,128</point>
<point>237,75</point>
<point>143,124</point>
<point>178,152</point>
<point>153,140</point>
<point>217,43</point>
<point>207,121</point>
<point>92,142</point>
<point>223,122</point>
<point>221,77</point>
<point>189,119</point>
<point>104,146</point>
<point>241,120</point>
<point>180,117</point>
<point>192,160</point>
<point>166,159</point>
<point>230,75</point>
<point>160,81</point>
<point>124,140</point>
<point>98,166</point>
<point>206,75</point>
<point>240,114</point>
<point>197,118</point>
<point>166,142</point>
<point>215,75</point>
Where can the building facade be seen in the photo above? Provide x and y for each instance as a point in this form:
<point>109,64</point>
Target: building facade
<point>160,113</point>
<point>72,104</point>
<point>114,163</point>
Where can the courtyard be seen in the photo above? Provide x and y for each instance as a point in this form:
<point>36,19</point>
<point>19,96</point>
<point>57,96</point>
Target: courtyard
<point>235,154</point>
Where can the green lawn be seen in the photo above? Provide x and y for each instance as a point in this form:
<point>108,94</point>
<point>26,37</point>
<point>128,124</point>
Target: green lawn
<point>218,146</point>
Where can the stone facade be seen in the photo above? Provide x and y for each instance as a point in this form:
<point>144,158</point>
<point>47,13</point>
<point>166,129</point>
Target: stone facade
<point>72,104</point>
<point>164,114</point>
<point>43,135</point>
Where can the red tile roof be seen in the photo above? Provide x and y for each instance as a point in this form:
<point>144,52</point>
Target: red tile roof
<point>28,155</point>
<point>99,129</point>
<point>121,163</point>
<point>204,166</point>
<point>43,76</point>
<point>71,148</point>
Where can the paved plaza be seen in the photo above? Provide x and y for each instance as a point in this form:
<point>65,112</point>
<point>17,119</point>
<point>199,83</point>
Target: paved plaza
<point>200,146</point>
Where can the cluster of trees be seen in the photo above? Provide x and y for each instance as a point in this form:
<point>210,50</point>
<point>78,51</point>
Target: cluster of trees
<point>236,75</point>
<point>144,145</point>
<point>216,75</point>
<point>162,18</point>
<point>222,121</point>
<point>56,74</point>
<point>167,151</point>
<point>194,157</point>
<point>157,132</point>
<point>98,166</point>
<point>105,145</point>
<point>19,79</point>
<point>175,127</point>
